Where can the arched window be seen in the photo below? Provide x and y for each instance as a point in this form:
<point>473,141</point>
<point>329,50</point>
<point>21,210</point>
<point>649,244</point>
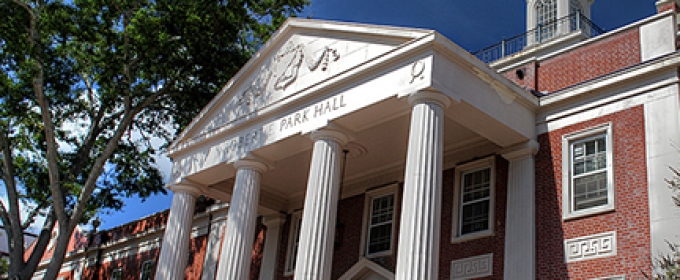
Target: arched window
<point>546,16</point>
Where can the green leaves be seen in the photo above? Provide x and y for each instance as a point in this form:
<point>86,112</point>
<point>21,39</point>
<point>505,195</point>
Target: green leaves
<point>109,76</point>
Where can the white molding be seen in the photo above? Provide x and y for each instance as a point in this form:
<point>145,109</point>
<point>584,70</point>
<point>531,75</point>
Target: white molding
<point>488,162</point>
<point>295,227</point>
<point>473,267</point>
<point>368,198</point>
<point>363,266</point>
<point>590,247</point>
<point>567,140</point>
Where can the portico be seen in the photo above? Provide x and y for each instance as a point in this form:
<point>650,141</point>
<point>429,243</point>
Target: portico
<point>406,103</point>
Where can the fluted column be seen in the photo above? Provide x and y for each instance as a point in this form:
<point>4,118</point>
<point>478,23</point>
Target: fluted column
<point>520,233</point>
<point>172,262</point>
<point>237,244</point>
<point>271,247</point>
<point>315,253</point>
<point>418,252</point>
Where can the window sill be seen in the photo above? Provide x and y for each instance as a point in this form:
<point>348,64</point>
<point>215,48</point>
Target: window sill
<point>472,236</point>
<point>378,255</point>
<point>588,212</point>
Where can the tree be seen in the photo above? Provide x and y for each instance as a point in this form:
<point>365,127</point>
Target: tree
<point>86,83</point>
<point>668,266</point>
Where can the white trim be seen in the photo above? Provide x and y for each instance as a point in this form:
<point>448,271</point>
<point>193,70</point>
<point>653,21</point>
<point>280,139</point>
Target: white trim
<point>114,271</point>
<point>368,199</point>
<point>295,227</point>
<point>364,265</point>
<point>488,162</point>
<point>567,211</point>
<point>590,247</point>
<point>141,269</point>
<point>615,277</point>
<point>472,267</point>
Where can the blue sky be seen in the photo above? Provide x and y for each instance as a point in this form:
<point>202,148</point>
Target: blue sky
<point>472,24</point>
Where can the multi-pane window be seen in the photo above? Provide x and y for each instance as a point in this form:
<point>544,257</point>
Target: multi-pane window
<point>294,242</point>
<point>574,8</point>
<point>117,274</point>
<point>475,203</point>
<point>380,224</point>
<point>588,177</point>
<point>546,16</point>
<point>589,173</point>
<point>147,270</point>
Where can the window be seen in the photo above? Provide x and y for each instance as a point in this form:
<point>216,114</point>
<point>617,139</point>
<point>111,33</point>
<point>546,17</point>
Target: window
<point>379,221</point>
<point>546,16</point>
<point>293,242</point>
<point>587,176</point>
<point>117,274</point>
<point>474,200</point>
<point>147,270</point>
<point>575,7</point>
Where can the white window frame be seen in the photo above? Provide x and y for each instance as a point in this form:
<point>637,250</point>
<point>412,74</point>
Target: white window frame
<point>568,211</point>
<point>141,273</point>
<point>117,270</point>
<point>457,199</point>
<point>368,201</point>
<point>295,228</point>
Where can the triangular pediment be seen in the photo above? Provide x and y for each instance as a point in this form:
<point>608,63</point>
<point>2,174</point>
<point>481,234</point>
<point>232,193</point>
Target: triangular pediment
<point>302,54</point>
<point>365,269</point>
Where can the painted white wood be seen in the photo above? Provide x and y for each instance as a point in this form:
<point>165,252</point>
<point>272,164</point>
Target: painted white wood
<point>271,246</point>
<point>172,261</point>
<point>213,250</point>
<point>237,243</point>
<point>315,254</point>
<point>520,232</point>
<point>418,252</point>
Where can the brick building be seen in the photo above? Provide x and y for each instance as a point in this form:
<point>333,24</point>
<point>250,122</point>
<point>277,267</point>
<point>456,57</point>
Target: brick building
<point>351,151</point>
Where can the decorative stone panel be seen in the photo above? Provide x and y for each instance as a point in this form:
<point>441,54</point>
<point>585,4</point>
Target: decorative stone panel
<point>590,247</point>
<point>473,267</point>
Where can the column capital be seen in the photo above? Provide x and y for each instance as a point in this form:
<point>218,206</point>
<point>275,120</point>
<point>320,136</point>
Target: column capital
<point>185,187</point>
<point>273,220</point>
<point>331,133</point>
<point>526,149</point>
<point>252,163</point>
<point>431,96</point>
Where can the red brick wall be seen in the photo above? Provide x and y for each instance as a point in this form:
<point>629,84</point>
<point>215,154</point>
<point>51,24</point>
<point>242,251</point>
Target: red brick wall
<point>527,82</point>
<point>591,61</point>
<point>630,219</point>
<point>350,214</point>
<point>492,244</point>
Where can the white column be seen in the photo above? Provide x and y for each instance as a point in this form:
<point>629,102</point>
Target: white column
<point>271,247</point>
<point>172,262</point>
<point>520,236</point>
<point>212,250</point>
<point>418,252</point>
<point>315,253</point>
<point>237,244</point>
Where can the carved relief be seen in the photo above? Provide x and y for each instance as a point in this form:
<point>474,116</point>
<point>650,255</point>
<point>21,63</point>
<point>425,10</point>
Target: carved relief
<point>473,267</point>
<point>285,69</point>
<point>590,247</point>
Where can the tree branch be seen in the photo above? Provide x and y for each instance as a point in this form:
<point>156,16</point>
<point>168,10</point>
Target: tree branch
<point>31,216</point>
<point>16,237</point>
<point>41,243</point>
<point>111,146</point>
